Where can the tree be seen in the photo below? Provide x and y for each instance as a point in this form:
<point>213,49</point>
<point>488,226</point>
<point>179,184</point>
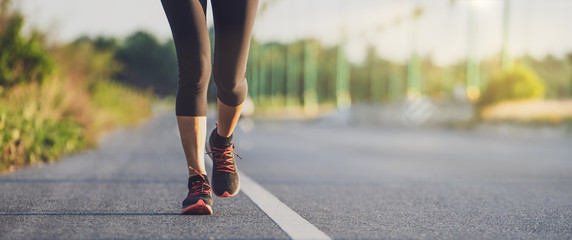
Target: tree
<point>22,60</point>
<point>148,64</point>
<point>518,84</point>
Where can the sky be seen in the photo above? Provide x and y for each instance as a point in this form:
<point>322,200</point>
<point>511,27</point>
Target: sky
<point>537,27</point>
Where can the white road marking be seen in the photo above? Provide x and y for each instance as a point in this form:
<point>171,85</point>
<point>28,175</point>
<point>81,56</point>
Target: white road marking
<point>289,221</point>
<point>293,224</point>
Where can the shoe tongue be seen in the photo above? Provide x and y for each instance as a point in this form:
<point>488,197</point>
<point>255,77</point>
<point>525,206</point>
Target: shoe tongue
<point>195,178</point>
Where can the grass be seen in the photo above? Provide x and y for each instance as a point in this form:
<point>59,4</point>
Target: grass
<point>67,112</point>
<point>116,104</point>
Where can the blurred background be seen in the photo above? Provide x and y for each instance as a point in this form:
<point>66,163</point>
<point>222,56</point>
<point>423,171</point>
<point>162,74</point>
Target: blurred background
<point>71,70</point>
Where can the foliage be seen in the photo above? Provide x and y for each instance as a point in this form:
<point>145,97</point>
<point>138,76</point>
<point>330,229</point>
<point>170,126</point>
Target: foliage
<point>62,102</point>
<point>27,140</point>
<point>34,126</point>
<point>119,104</point>
<point>148,63</point>
<point>520,83</point>
<point>141,60</point>
<point>66,112</point>
<point>556,73</point>
<point>100,43</point>
<point>22,60</point>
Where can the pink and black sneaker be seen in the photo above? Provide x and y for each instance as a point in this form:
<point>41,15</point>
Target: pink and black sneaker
<point>225,175</point>
<point>199,199</point>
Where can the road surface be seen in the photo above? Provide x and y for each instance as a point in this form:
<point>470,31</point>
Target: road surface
<point>349,182</point>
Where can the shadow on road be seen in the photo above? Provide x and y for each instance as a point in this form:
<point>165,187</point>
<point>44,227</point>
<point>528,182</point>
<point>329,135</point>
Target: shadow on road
<point>89,214</point>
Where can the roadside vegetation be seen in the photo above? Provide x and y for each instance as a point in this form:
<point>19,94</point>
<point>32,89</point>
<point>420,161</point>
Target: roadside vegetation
<point>57,99</point>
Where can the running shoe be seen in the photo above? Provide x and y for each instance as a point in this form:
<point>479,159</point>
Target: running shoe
<point>225,175</point>
<point>199,199</point>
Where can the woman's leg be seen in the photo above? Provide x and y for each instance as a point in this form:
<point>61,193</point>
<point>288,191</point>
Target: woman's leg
<point>193,131</point>
<point>227,118</point>
<point>187,19</point>
<point>233,20</point>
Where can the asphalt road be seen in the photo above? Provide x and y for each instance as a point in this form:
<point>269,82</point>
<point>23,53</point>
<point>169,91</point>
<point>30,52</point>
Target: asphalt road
<point>351,182</point>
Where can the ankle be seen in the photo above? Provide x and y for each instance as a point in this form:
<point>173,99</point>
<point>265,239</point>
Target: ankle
<point>224,134</point>
<point>196,174</point>
<point>220,140</point>
<point>193,172</point>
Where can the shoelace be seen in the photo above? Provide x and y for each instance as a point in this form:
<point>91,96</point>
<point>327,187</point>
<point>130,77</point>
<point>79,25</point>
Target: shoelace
<point>224,161</point>
<point>199,187</point>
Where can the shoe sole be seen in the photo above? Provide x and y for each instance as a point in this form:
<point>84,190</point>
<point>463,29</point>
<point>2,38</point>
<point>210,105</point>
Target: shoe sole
<point>224,194</point>
<point>199,208</point>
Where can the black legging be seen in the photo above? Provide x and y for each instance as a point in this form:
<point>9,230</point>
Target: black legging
<point>233,20</point>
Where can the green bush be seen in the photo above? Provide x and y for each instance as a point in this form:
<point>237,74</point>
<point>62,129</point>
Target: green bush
<point>30,140</point>
<point>519,84</point>
<point>22,59</point>
<point>57,102</point>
